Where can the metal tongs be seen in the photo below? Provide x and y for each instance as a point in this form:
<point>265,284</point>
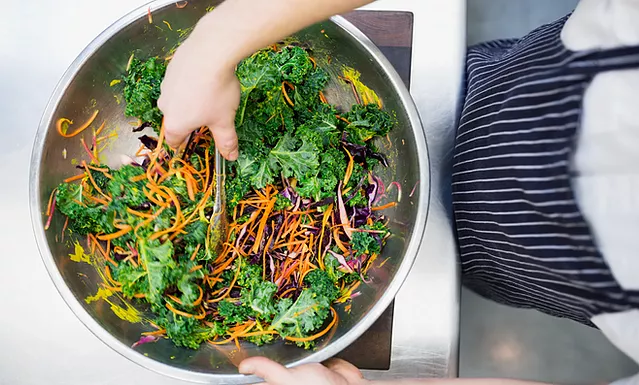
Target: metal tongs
<point>218,222</point>
<point>216,233</point>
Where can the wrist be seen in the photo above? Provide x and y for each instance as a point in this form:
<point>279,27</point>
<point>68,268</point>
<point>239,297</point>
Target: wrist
<point>215,42</point>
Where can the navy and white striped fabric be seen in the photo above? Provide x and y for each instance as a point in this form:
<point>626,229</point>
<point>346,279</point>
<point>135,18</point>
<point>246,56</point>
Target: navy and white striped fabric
<point>522,238</point>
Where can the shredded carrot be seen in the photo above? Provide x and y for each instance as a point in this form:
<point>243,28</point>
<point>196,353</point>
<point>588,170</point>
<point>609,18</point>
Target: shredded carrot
<point>74,178</point>
<point>116,234</point>
<point>197,248</point>
<point>189,188</point>
<point>349,168</point>
<point>288,99</point>
<point>386,206</point>
<point>99,130</point>
<point>318,335</point>
<point>150,219</point>
<point>149,15</point>
<point>314,62</point>
<point>228,289</point>
<point>182,4</point>
<point>105,171</point>
<point>338,242</point>
<point>261,332</point>
<point>262,225</point>
<point>323,98</point>
<point>178,312</point>
<point>199,298</point>
<point>95,185</point>
<point>200,316</point>
<point>137,213</point>
<point>64,229</point>
<point>107,272</point>
<point>159,332</point>
<point>111,288</point>
<point>343,119</point>
<point>175,200</point>
<point>153,199</point>
<point>63,132</point>
<point>288,291</point>
<point>98,200</point>
<point>206,163</point>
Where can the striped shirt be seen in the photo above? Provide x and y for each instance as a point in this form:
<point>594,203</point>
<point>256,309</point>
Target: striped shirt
<point>523,238</point>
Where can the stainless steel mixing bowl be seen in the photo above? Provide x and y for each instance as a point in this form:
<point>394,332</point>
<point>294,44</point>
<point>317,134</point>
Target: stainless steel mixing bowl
<point>85,87</point>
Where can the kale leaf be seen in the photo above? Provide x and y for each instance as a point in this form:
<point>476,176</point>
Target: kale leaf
<point>300,318</point>
<point>158,261</point>
<point>186,331</point>
<point>123,190</point>
<point>366,122</point>
<point>260,298</point>
<point>321,283</point>
<point>365,242</point>
<point>142,89</point>
<point>295,160</point>
<point>83,218</point>
<point>131,278</point>
<point>234,313</point>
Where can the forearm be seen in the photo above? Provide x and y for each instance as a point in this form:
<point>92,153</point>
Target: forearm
<point>237,28</point>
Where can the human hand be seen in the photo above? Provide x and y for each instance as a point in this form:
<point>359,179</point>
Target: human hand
<point>200,89</point>
<point>333,372</point>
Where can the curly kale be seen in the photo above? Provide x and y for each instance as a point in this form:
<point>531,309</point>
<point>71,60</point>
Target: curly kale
<point>132,278</point>
<point>142,89</point>
<point>123,190</point>
<point>369,242</point>
<point>321,283</point>
<point>260,297</point>
<point>234,313</point>
<point>186,331</point>
<point>84,218</point>
<point>302,317</point>
<point>367,122</point>
<point>285,131</point>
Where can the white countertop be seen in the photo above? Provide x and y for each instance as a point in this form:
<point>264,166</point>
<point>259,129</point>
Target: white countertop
<point>42,342</point>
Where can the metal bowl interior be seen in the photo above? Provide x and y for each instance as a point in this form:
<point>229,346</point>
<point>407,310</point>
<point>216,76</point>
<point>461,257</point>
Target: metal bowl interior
<point>86,87</point>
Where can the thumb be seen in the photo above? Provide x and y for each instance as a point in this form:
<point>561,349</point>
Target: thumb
<point>272,372</point>
<point>345,369</point>
<point>174,134</point>
<point>225,140</point>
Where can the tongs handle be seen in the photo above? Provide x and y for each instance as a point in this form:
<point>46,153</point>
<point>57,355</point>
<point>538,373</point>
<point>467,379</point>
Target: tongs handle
<point>220,174</point>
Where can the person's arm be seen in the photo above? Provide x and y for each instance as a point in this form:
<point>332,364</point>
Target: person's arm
<point>340,372</point>
<point>200,87</point>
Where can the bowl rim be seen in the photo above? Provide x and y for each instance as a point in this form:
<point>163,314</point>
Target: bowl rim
<point>333,347</point>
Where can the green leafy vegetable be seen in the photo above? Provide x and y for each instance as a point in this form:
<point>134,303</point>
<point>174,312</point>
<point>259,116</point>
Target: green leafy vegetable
<point>142,89</point>
<point>157,260</point>
<point>365,242</point>
<point>300,318</point>
<point>367,122</point>
<point>153,219</point>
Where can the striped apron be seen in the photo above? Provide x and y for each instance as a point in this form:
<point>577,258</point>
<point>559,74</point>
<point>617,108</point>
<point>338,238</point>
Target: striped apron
<point>523,241</point>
